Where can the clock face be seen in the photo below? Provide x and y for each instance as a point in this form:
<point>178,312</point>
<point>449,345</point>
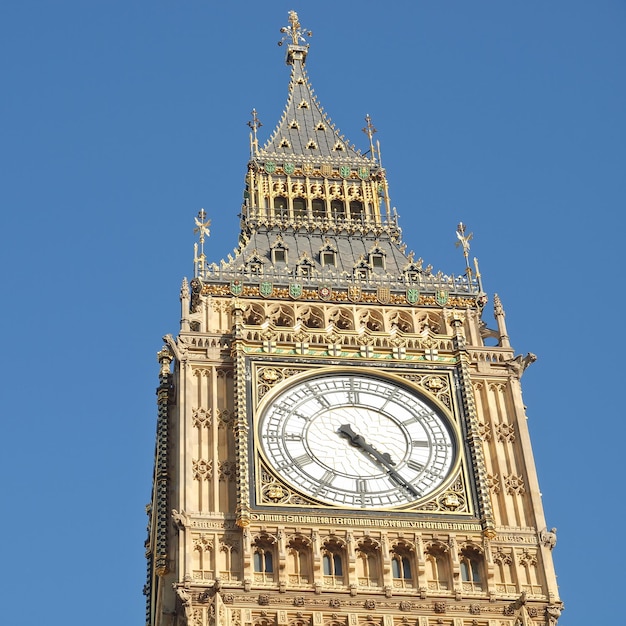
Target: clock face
<point>357,441</point>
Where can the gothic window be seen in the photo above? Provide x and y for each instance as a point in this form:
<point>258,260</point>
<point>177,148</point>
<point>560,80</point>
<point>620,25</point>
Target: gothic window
<point>280,207</point>
<point>311,145</point>
<point>281,316</point>
<point>263,561</point>
<point>303,105</point>
<point>356,210</point>
<point>438,567</point>
<point>299,558</point>
<point>368,563</point>
<point>312,317</point>
<point>333,562</point>
<point>319,207</point>
<point>254,315</point>
<point>471,564</point>
<point>372,320</point>
<point>338,147</point>
<point>263,558</point>
<point>320,126</point>
<point>337,208</point>
<point>299,208</point>
<point>401,567</point>
<point>342,319</point>
<point>294,125</point>
<point>285,144</point>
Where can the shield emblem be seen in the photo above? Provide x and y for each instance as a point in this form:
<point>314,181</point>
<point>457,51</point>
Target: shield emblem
<point>412,295</point>
<point>324,292</point>
<point>270,167</point>
<point>307,168</point>
<point>364,173</point>
<point>344,171</point>
<point>236,287</point>
<point>354,293</point>
<point>266,289</point>
<point>295,290</point>
<point>441,296</point>
<point>326,170</point>
<point>383,295</point>
<point>289,168</point>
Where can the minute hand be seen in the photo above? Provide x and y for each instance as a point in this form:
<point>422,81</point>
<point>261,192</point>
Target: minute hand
<point>383,458</point>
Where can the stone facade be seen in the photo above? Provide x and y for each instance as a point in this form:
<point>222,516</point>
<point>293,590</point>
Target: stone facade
<point>313,289</point>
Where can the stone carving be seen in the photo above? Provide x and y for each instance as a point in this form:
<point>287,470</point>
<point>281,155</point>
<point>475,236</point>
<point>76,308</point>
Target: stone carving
<point>518,365</point>
<point>180,519</point>
<point>514,485</point>
<point>505,433</point>
<point>202,469</point>
<point>547,538</point>
<point>553,612</point>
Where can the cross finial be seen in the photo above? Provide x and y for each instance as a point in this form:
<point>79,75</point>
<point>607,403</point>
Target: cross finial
<point>254,123</point>
<point>202,230</point>
<point>463,240</point>
<point>294,30</point>
<point>369,130</point>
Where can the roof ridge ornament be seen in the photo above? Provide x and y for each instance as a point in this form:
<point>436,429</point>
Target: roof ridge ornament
<point>297,48</point>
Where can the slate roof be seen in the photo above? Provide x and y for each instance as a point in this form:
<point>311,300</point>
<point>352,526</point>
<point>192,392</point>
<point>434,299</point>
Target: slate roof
<point>305,129</point>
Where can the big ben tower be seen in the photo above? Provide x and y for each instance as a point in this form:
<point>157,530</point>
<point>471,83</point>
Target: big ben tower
<point>339,441</point>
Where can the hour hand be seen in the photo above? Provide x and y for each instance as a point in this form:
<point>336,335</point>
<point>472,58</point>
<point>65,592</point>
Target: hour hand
<point>345,430</point>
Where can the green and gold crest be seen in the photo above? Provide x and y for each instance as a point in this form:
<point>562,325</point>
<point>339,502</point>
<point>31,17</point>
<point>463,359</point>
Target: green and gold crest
<point>289,168</point>
<point>295,290</point>
<point>442,296</point>
<point>270,167</point>
<point>412,295</point>
<point>236,287</point>
<point>344,171</point>
<point>266,289</point>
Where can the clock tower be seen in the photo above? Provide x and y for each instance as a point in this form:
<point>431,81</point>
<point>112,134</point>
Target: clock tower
<point>341,438</point>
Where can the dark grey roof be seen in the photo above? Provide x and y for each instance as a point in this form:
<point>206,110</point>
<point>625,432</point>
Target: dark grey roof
<point>305,129</point>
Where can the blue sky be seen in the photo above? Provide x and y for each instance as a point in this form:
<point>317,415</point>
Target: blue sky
<point>120,120</point>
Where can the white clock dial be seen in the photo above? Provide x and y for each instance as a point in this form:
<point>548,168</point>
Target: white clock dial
<point>356,440</point>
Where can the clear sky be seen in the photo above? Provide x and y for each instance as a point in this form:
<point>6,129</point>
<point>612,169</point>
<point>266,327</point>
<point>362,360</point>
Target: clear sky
<point>119,120</point>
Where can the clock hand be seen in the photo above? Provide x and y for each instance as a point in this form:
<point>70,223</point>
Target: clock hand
<point>384,458</point>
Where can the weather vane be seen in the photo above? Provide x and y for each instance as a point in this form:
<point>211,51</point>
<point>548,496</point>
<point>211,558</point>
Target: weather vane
<point>202,230</point>
<point>463,240</point>
<point>294,30</point>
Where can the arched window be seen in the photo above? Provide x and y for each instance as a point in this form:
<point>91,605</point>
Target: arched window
<point>263,561</point>
<point>338,209</point>
<point>299,208</point>
<point>471,565</point>
<point>438,567</point>
<point>318,206</point>
<point>333,565</point>
<point>280,207</point>
<point>263,558</point>
<point>368,563</point>
<point>401,567</point>
<point>299,557</point>
<point>333,554</point>
<point>356,210</point>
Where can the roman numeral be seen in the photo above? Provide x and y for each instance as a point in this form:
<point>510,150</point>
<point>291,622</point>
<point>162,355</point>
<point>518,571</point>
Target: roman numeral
<point>414,465</point>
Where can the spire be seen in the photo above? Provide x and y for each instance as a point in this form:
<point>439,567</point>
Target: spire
<point>304,130</point>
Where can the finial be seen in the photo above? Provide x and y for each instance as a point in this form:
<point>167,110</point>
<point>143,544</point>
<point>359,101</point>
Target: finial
<point>463,240</point>
<point>297,48</point>
<point>254,123</point>
<point>369,130</point>
<point>202,230</point>
<point>294,30</point>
